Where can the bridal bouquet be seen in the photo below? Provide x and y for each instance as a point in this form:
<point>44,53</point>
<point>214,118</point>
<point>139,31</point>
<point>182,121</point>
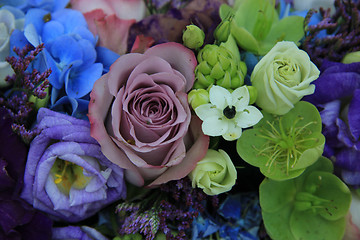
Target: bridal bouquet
<point>179,119</point>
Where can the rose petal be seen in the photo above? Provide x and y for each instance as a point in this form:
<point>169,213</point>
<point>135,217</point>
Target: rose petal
<point>181,58</point>
<point>193,155</point>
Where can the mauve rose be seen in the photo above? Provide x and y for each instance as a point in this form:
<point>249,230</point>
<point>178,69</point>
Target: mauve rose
<point>140,116</point>
<point>66,175</point>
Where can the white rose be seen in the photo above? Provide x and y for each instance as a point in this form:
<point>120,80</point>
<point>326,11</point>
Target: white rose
<point>282,77</point>
<point>7,25</point>
<point>215,173</point>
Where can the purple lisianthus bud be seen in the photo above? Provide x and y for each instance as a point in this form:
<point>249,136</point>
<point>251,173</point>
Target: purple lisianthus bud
<point>66,174</point>
<point>76,232</point>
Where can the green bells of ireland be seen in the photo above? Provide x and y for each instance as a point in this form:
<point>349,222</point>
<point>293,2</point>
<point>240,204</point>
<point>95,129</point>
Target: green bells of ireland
<point>218,65</point>
<point>312,206</point>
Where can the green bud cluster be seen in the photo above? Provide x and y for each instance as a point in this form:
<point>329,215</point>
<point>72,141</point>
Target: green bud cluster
<point>217,65</point>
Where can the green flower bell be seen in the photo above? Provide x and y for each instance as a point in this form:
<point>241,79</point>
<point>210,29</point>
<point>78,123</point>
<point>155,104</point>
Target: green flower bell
<point>218,65</point>
<point>312,206</point>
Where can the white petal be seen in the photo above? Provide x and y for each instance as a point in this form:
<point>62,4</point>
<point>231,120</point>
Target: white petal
<point>240,98</point>
<point>220,97</point>
<point>214,126</point>
<point>207,110</point>
<point>249,117</point>
<point>233,132</point>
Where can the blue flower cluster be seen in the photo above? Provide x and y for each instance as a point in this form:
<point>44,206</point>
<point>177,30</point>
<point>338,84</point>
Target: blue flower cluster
<point>70,52</point>
<point>238,217</point>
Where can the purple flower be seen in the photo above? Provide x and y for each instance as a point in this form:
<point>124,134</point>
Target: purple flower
<point>66,174</point>
<point>337,94</point>
<point>17,218</point>
<point>76,232</point>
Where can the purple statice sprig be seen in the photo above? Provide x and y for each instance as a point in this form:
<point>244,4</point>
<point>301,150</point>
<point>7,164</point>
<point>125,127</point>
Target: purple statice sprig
<point>342,32</point>
<point>24,84</point>
<point>169,210</point>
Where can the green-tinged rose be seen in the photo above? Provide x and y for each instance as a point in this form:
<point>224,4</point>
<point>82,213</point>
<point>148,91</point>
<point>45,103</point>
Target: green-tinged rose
<point>284,146</point>
<point>197,97</point>
<point>282,77</point>
<point>193,37</point>
<point>219,65</point>
<point>215,173</point>
<point>312,206</point>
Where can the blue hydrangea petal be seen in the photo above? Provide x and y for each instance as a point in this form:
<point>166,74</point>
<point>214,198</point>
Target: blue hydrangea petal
<point>88,52</point>
<point>67,50</point>
<point>51,31</point>
<point>82,32</point>
<point>36,17</point>
<point>75,107</point>
<point>80,83</point>
<point>106,57</point>
<point>68,17</point>
<point>32,35</point>
<point>54,77</point>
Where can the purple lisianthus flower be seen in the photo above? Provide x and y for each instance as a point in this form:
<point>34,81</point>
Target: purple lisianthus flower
<point>66,174</point>
<point>337,95</point>
<point>76,232</point>
<point>17,218</point>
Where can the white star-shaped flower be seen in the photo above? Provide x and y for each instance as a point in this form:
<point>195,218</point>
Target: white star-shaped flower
<point>227,113</point>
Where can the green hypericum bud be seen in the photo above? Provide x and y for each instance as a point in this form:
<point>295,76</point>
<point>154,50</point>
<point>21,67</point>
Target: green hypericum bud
<point>197,97</point>
<point>218,65</point>
<point>253,94</point>
<point>193,37</point>
<point>312,206</point>
<point>284,146</point>
<point>222,31</point>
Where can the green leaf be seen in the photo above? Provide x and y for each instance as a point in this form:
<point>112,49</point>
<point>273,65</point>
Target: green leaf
<point>244,38</point>
<point>287,29</point>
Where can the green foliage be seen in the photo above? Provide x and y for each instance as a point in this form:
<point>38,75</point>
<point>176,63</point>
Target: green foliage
<point>284,146</point>
<point>256,26</point>
<point>312,206</point>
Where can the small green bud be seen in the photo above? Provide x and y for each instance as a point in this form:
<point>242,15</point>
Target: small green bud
<point>243,67</point>
<point>253,94</point>
<point>351,57</point>
<point>197,97</point>
<point>193,37</point>
<point>222,31</point>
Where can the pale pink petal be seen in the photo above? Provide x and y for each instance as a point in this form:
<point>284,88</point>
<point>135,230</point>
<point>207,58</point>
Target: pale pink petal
<point>128,9</point>
<point>193,155</point>
<point>91,17</point>
<point>141,44</point>
<point>180,58</point>
<point>113,33</point>
<point>89,5</point>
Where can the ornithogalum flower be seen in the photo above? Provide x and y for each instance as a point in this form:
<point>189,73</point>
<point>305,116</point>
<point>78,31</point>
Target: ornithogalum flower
<point>283,146</point>
<point>66,174</point>
<point>227,113</point>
